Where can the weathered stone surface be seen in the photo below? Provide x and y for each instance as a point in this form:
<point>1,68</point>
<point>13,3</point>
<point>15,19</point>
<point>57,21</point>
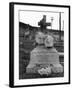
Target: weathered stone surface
<point>57,68</point>
<point>42,56</point>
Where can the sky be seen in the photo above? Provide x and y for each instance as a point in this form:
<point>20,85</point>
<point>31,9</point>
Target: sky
<point>33,17</point>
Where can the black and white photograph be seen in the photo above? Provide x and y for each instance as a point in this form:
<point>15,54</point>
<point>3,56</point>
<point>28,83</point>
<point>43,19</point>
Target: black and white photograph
<point>41,44</point>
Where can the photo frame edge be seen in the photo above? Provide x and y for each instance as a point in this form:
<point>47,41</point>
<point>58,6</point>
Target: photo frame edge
<point>11,43</point>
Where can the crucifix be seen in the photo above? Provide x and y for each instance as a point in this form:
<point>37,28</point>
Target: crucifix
<point>43,24</point>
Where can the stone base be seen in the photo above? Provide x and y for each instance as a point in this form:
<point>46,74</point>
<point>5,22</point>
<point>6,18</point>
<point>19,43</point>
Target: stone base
<point>56,68</point>
<point>35,69</point>
<point>42,57</point>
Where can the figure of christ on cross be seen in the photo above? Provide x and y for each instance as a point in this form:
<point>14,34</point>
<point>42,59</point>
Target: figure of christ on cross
<point>43,24</point>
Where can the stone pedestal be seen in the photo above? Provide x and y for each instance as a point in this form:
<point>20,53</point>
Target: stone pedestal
<point>42,57</point>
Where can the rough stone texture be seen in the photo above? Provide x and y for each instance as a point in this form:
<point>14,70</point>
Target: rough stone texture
<point>42,56</point>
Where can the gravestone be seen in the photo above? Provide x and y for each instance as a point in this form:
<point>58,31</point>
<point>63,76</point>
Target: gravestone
<point>42,56</point>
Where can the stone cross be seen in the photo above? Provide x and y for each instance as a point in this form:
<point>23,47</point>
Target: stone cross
<point>43,23</point>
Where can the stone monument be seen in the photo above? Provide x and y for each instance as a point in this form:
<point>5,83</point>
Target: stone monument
<point>44,55</point>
